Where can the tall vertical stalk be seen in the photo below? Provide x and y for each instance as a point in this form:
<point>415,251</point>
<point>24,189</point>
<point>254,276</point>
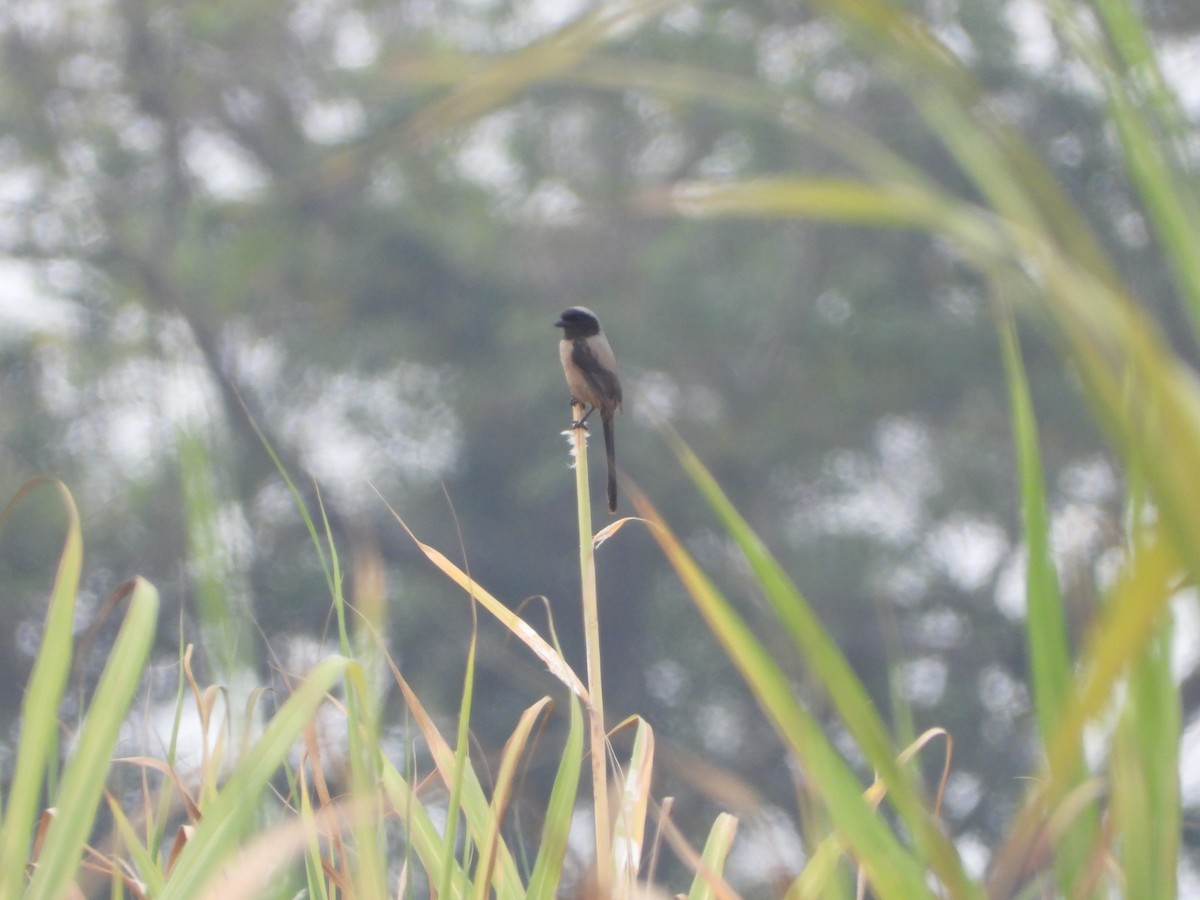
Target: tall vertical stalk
<point>591,633</point>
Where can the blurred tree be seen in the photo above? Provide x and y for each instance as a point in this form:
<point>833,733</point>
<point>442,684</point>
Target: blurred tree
<point>359,219</point>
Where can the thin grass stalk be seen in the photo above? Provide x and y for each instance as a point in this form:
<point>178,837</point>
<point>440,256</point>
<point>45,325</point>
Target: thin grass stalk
<point>220,607</point>
<point>158,825</point>
<point>462,743</point>
<point>547,871</point>
<point>361,711</point>
<point>1046,629</point>
<point>591,635</point>
<point>361,733</point>
<point>314,873</point>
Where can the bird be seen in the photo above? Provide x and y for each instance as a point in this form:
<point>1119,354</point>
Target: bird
<point>591,370</point>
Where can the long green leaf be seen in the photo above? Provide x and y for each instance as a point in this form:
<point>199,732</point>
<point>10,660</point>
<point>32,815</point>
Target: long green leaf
<point>423,834</point>
<point>716,851</point>
<point>1051,676</point>
<point>43,695</point>
<point>461,759</point>
<point>1152,130</point>
<point>474,804</point>
<point>547,870</point>
<point>1144,776</point>
<point>492,841</point>
<point>1137,607</point>
<point>1046,631</point>
<point>829,666</point>
<point>236,807</point>
<point>85,773</point>
<point>893,870</point>
<point>487,88</point>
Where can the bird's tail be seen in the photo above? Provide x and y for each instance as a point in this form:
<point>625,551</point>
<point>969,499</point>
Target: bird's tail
<point>610,450</point>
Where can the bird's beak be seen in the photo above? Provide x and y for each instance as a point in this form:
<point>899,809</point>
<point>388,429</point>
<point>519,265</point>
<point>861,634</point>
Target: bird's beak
<point>560,324</point>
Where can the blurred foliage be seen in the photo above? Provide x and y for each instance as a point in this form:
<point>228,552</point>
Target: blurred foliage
<point>359,220</point>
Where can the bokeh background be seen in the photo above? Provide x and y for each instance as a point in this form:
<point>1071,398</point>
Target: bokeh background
<point>353,223</point>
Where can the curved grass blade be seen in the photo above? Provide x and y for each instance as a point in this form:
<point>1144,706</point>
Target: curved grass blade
<point>892,869</point>
<point>474,803</point>
<point>422,833</point>
<point>514,747</point>
<point>829,666</point>
<point>629,825</point>
<point>1144,775</point>
<point>1137,605</point>
<point>485,89</point>
<point>547,870</point>
<point>1049,651</point>
<point>461,761</point>
<point>84,775</point>
<point>37,745</point>
<point>232,813</point>
<point>1050,674</point>
<point>524,632</point>
<point>1151,127</point>
<point>716,851</point>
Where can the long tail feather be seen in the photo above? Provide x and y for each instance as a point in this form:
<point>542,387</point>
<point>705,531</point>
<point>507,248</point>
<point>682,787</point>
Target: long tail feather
<point>610,450</point>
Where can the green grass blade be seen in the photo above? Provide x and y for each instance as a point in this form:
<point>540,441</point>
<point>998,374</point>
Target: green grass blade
<point>474,802</point>
<point>817,878</point>
<point>893,870</point>
<point>1133,615</point>
<point>492,841</point>
<point>314,873</point>
<point>144,861</point>
<point>423,834</point>
<point>1152,130</point>
<point>547,870</point>
<point>491,86</point>
<point>362,703</point>
<point>232,813</point>
<point>461,762</point>
<point>84,776</point>
<point>829,666</point>
<point>1144,776</point>
<point>716,851</point>
<point>1046,631</point>
<point>219,594</point>
<point>298,500</point>
<point>1051,675</point>
<point>39,711</point>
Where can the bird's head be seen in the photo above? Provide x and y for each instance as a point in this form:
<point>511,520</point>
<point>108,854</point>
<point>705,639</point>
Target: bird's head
<point>578,322</point>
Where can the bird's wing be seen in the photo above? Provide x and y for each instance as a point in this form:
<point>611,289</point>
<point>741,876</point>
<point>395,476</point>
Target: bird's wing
<point>595,360</point>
